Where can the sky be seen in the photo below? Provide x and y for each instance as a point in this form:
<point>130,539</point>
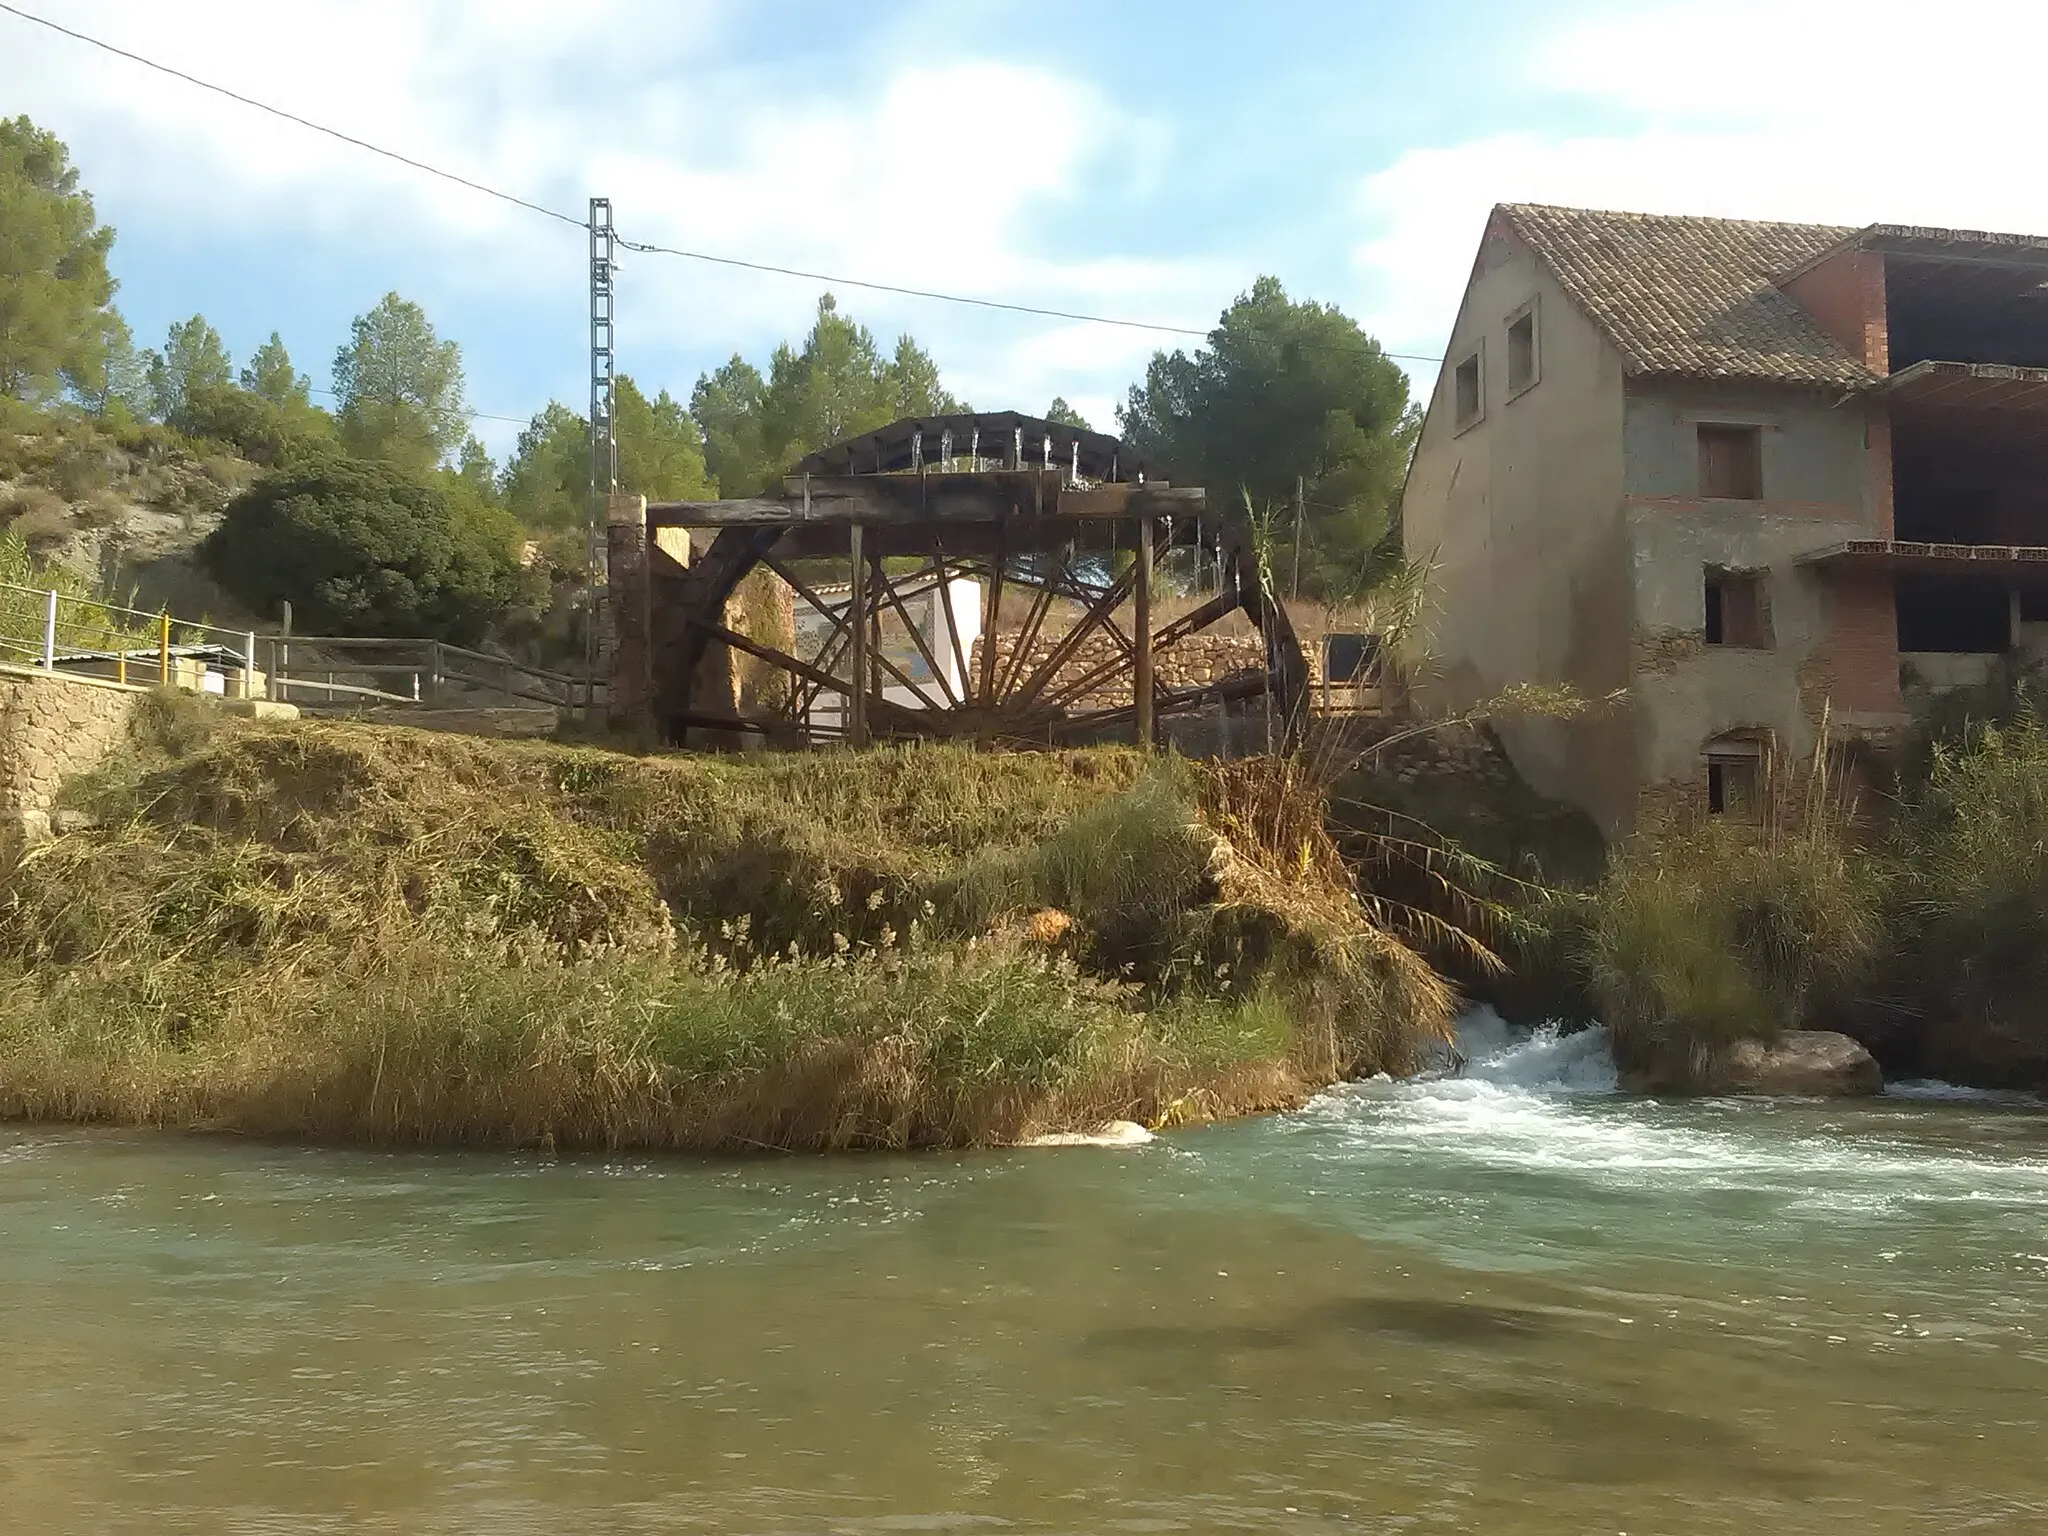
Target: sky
<point>1138,159</point>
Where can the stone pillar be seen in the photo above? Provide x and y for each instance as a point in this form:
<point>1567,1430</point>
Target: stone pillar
<point>631,676</point>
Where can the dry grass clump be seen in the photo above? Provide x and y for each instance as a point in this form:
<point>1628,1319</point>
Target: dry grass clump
<point>347,931</point>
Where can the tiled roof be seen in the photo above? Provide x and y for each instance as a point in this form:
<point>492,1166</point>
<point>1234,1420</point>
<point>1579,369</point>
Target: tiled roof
<point>1694,297</point>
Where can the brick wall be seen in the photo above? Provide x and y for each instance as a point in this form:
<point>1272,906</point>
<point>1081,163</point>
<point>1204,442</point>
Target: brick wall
<point>1845,293</point>
<point>1878,451</point>
<point>1856,668</point>
<point>51,727</point>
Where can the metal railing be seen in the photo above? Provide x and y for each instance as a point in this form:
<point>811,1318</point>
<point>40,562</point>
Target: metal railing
<point>58,631</point>
<point>356,671</point>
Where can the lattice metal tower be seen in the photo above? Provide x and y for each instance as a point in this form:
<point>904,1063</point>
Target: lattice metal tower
<point>604,445</point>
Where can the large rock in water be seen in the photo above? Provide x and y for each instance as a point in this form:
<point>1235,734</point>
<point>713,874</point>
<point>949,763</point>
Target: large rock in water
<point>1809,1063</point>
<point>1801,1063</point>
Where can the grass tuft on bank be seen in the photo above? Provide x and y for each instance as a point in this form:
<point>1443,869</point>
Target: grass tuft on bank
<point>354,932</point>
<point>1918,923</point>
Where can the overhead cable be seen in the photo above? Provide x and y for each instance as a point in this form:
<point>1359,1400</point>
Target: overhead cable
<point>631,245</point>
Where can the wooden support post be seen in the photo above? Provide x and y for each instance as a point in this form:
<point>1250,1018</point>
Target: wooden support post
<point>163,650</point>
<point>985,691</point>
<point>857,624</point>
<point>1295,589</point>
<point>1141,618</point>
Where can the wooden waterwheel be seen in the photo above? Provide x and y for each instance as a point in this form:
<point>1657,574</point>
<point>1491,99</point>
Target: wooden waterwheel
<point>987,578</point>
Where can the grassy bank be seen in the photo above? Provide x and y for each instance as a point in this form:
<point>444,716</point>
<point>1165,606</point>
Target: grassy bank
<point>1917,922</point>
<point>349,932</point>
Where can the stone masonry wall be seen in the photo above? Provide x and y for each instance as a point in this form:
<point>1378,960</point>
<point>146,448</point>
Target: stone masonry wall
<point>1194,662</point>
<point>50,728</point>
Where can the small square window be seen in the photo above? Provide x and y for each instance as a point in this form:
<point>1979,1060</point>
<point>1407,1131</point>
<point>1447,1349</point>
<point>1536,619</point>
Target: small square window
<point>1522,367</point>
<point>1731,463</point>
<point>1738,613</point>
<point>1467,385</point>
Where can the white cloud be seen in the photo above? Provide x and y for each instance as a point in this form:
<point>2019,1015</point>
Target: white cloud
<point>1827,111</point>
<point>928,174</point>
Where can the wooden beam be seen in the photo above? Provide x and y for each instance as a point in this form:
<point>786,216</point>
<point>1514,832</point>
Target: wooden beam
<point>1141,622</point>
<point>916,638</point>
<point>985,694</point>
<point>1071,641</point>
<point>857,618</point>
<point>1221,606</point>
<point>774,658</point>
<point>914,500</point>
<point>944,601</point>
<point>1034,619</point>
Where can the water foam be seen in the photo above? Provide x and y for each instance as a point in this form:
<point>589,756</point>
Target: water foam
<point>1928,1090</point>
<point>1545,1103</point>
<point>1544,1061</point>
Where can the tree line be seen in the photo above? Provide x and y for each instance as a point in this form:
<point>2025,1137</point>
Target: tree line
<point>382,509</point>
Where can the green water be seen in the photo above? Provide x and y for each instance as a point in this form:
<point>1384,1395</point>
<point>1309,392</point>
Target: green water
<point>1492,1305</point>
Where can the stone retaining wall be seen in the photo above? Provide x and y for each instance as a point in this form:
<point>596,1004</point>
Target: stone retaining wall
<point>52,725</point>
<point>1194,662</point>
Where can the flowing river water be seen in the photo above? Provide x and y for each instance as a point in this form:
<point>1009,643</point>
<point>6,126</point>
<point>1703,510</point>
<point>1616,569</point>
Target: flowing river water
<point>1511,1302</point>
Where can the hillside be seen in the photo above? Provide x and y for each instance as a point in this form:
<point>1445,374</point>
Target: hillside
<point>122,506</point>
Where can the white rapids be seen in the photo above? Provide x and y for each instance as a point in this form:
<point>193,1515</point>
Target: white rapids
<point>1538,1116</point>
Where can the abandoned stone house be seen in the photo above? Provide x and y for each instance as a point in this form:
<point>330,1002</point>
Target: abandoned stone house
<point>1752,477</point>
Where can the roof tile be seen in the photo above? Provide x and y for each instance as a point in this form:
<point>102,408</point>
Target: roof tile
<point>1692,296</point>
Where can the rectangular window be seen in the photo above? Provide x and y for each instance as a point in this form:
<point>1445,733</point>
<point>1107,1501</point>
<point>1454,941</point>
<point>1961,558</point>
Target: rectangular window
<point>1738,613</point>
<point>1731,463</point>
<point>1733,784</point>
<point>1521,352</point>
<point>1349,658</point>
<point>1466,383</point>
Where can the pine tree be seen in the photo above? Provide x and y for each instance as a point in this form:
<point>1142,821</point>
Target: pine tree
<point>270,376</point>
<point>56,296</point>
<point>193,359</point>
<point>399,388</point>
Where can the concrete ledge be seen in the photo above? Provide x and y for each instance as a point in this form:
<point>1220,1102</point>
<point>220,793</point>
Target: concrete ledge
<point>15,669</point>
<point>255,709</point>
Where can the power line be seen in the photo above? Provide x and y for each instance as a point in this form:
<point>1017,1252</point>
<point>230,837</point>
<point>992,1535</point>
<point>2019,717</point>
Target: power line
<point>517,421</point>
<point>948,298</point>
<point>292,117</point>
<point>631,245</point>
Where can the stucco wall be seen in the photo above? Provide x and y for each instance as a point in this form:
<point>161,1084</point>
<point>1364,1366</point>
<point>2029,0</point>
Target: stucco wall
<point>1825,651</point>
<point>1521,517</point>
<point>1812,447</point>
<point>51,726</point>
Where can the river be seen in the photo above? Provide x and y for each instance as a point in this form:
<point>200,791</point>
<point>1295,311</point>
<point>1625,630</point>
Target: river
<point>1511,1302</point>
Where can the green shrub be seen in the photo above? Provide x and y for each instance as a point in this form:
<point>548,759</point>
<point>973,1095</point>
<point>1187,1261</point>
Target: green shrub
<point>1727,932</point>
<point>358,547</point>
<point>1969,848</point>
<point>256,429</point>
